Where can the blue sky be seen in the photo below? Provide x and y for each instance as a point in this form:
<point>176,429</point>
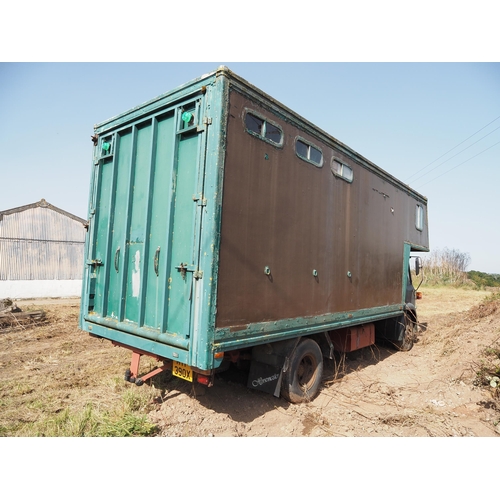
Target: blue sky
<point>402,116</point>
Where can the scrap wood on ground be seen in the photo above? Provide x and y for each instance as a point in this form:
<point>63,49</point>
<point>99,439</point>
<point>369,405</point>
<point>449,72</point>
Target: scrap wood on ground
<point>12,317</point>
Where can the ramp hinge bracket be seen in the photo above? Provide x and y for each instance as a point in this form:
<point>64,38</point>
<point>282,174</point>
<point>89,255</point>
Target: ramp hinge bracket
<point>201,201</point>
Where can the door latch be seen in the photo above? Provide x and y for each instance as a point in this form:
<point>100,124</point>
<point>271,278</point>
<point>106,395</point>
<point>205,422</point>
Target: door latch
<point>184,268</point>
<point>95,262</point>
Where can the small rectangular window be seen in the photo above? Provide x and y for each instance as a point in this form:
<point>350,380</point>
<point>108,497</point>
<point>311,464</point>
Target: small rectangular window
<point>419,217</point>
<point>315,155</point>
<point>309,152</point>
<point>342,170</point>
<point>302,149</point>
<point>264,129</point>
<point>273,133</point>
<point>254,124</point>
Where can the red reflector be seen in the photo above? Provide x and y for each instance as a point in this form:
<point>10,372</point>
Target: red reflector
<point>203,379</point>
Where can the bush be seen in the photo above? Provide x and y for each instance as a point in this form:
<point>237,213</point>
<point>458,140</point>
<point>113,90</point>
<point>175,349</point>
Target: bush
<point>484,279</point>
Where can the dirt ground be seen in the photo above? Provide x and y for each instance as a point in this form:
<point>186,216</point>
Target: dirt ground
<point>428,391</point>
<point>431,390</point>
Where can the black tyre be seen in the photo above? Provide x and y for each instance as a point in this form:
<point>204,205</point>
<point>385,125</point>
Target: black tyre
<point>302,379</point>
<point>409,335</point>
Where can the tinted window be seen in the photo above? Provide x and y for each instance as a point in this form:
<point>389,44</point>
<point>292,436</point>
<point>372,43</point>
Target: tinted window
<point>309,152</point>
<point>302,149</point>
<point>264,129</point>
<point>315,155</point>
<point>273,133</point>
<point>254,123</point>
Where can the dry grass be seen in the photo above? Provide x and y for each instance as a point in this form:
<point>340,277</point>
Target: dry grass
<point>58,381</point>
<point>446,300</point>
<point>488,367</point>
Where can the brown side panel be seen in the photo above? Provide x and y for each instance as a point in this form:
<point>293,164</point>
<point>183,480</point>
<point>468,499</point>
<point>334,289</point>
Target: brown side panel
<point>293,217</point>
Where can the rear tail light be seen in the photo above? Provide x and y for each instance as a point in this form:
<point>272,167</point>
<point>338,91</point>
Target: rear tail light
<point>203,379</point>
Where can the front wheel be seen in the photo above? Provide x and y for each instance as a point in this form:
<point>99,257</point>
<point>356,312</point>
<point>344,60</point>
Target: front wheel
<point>409,335</point>
<point>302,379</point>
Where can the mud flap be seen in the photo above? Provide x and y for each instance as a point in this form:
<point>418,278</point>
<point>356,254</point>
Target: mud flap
<point>265,378</point>
<point>268,363</point>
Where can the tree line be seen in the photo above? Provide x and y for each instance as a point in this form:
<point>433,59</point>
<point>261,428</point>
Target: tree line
<point>449,267</point>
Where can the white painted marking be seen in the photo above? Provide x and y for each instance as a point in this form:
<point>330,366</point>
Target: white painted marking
<point>136,275</point>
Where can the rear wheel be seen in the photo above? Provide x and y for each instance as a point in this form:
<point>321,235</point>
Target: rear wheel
<point>302,379</point>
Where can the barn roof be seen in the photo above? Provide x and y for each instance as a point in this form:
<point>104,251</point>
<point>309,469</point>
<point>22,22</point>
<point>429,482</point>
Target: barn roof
<point>40,204</point>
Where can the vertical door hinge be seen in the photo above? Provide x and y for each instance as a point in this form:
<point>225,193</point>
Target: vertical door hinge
<point>206,122</point>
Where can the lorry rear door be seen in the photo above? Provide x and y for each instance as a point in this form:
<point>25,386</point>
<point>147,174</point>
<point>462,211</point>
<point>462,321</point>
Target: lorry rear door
<point>145,224</point>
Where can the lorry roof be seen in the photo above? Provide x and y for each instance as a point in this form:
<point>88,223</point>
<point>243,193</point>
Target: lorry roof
<point>286,112</point>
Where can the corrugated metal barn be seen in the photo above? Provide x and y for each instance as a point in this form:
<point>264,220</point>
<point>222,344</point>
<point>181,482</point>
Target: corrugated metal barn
<point>41,252</point>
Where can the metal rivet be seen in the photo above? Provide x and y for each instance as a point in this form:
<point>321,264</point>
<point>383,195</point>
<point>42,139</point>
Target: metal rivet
<point>349,275</point>
<point>267,270</point>
<point>315,273</point>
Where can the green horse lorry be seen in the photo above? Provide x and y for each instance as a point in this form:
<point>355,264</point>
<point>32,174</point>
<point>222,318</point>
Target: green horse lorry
<point>225,228</point>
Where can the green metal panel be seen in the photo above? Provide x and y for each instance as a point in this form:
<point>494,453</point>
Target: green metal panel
<point>406,263</point>
<point>135,260</point>
<point>145,230</point>
<point>183,236</point>
<point>260,333</point>
<point>101,231</point>
<point>163,164</point>
<point>121,166</point>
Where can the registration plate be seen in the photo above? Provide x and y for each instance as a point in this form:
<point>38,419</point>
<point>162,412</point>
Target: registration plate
<point>182,371</point>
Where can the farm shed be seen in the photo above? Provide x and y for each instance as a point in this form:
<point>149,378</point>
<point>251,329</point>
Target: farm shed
<point>41,252</point>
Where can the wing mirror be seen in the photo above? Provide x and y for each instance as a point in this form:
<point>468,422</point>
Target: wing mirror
<point>418,265</point>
